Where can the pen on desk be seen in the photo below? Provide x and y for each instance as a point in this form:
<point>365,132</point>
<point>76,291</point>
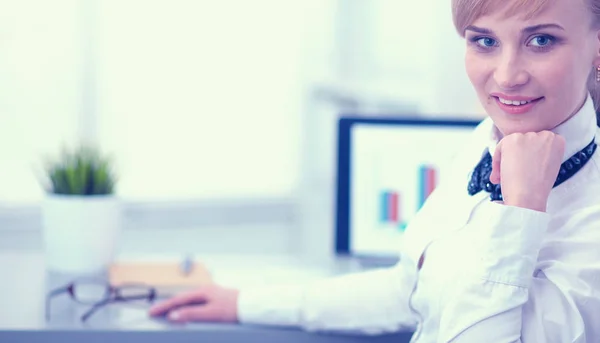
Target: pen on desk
<point>186,265</point>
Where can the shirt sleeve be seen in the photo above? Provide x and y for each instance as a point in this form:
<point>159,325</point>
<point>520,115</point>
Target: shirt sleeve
<point>524,289</point>
<point>371,302</point>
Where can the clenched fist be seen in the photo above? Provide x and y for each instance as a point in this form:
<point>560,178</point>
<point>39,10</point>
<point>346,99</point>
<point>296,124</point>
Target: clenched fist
<point>526,166</point>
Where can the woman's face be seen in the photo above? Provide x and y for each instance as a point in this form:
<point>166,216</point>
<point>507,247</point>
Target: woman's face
<point>531,75</point>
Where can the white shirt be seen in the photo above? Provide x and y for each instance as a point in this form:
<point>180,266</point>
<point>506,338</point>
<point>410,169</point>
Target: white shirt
<point>491,272</point>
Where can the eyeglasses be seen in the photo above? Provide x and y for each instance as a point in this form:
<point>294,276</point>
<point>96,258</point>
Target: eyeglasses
<point>98,294</point>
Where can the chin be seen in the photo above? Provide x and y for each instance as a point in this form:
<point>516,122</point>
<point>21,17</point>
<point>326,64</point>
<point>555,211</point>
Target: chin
<point>509,125</point>
<point>521,127</point>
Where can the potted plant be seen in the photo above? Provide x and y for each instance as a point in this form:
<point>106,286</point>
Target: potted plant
<point>80,213</point>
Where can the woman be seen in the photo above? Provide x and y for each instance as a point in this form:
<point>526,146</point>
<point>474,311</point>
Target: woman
<point>509,249</point>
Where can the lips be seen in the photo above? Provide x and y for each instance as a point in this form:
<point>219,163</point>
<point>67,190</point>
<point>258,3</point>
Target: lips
<point>516,104</point>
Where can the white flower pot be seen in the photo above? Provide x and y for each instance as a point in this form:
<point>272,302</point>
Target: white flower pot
<point>80,232</point>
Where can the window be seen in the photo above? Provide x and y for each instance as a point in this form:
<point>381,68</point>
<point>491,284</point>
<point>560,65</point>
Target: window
<point>202,99</point>
<point>208,102</point>
<point>196,99</point>
<point>40,82</point>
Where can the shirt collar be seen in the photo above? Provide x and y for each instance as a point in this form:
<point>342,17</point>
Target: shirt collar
<point>578,131</point>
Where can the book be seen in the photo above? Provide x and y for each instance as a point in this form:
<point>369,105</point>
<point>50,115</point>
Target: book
<point>161,275</point>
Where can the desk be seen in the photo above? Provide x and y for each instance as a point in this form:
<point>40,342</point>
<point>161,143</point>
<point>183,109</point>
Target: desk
<point>220,335</point>
<point>25,283</point>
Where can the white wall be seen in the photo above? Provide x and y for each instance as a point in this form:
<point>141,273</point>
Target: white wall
<point>453,94</point>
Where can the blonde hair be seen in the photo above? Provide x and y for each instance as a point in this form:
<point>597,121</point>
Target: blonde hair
<point>465,12</point>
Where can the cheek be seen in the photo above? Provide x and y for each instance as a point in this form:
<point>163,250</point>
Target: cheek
<point>554,80</point>
<point>562,77</point>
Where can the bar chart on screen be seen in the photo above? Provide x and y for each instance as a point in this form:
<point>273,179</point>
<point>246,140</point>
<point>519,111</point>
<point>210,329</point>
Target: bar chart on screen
<point>394,205</point>
<point>394,172</point>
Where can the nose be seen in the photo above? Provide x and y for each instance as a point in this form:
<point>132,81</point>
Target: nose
<point>510,71</point>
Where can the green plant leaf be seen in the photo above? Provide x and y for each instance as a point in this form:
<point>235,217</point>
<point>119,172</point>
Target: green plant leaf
<point>81,171</point>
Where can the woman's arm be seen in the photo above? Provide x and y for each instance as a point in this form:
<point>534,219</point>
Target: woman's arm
<point>370,302</point>
<point>521,291</point>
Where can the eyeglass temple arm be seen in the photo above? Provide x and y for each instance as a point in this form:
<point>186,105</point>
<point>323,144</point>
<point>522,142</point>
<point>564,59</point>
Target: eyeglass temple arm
<point>88,314</point>
<point>51,295</point>
<point>95,308</point>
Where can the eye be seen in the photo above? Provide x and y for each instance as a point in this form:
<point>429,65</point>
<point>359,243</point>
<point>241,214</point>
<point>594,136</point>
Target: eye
<point>541,41</point>
<point>486,42</point>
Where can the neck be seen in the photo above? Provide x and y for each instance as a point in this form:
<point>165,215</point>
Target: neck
<point>577,109</point>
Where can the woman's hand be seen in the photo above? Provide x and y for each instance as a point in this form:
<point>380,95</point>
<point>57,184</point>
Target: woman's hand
<point>206,304</point>
<point>526,166</point>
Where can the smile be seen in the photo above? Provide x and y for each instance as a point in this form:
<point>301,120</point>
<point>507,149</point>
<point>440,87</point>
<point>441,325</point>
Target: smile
<point>516,105</point>
<point>513,102</point>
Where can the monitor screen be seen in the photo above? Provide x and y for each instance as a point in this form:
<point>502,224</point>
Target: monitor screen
<point>386,170</point>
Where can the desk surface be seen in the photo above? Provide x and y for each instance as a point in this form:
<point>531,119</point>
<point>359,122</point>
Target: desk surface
<point>213,336</point>
<point>25,283</point>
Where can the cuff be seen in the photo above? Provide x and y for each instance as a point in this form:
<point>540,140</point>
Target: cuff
<point>511,239</point>
<point>274,305</point>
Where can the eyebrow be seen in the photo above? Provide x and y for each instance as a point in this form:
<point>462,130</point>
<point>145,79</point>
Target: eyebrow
<point>528,29</point>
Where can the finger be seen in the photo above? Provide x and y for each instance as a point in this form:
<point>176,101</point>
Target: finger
<point>197,313</point>
<point>187,298</point>
<point>561,144</point>
<point>495,175</point>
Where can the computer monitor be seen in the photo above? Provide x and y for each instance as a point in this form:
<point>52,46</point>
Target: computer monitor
<point>386,169</point>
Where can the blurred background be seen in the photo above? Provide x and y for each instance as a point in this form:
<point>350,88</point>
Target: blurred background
<point>221,115</point>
